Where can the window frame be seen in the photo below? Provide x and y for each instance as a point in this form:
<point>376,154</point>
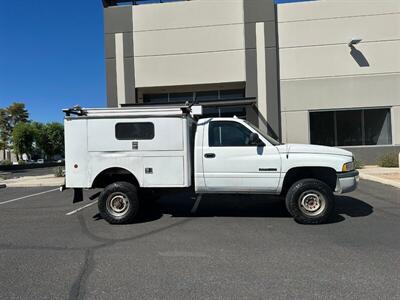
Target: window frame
<point>134,139</point>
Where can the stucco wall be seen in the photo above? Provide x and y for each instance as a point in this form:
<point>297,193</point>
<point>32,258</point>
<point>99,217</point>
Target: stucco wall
<point>320,71</point>
<point>189,42</point>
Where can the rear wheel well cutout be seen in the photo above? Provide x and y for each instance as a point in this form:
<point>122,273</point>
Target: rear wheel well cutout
<point>112,175</point>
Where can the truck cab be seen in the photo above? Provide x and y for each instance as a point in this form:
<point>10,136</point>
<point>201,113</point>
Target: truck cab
<point>232,157</point>
<point>135,153</point>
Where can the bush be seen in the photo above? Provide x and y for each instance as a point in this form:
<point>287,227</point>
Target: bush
<point>389,160</point>
<point>59,172</point>
<point>5,163</point>
<point>359,164</point>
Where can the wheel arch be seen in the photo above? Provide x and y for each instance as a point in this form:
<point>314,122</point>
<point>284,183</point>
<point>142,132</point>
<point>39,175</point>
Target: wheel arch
<point>324,174</point>
<point>114,174</point>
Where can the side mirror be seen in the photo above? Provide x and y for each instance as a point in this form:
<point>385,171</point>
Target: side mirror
<point>254,140</point>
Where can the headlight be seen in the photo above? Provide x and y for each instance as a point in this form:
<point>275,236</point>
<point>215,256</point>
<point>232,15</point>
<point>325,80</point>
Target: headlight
<point>348,167</point>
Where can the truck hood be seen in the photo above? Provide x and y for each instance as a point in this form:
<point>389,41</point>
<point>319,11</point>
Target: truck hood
<point>316,149</point>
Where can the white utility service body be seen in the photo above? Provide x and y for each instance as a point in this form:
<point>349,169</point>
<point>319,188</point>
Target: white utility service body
<point>93,147</point>
<point>165,147</point>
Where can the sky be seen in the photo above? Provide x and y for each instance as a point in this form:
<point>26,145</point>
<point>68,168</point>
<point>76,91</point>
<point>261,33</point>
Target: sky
<point>52,55</point>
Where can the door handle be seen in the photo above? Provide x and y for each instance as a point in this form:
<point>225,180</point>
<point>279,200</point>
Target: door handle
<point>267,169</point>
<point>209,155</point>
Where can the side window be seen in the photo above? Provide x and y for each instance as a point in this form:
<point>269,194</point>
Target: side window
<point>134,131</point>
<point>228,134</point>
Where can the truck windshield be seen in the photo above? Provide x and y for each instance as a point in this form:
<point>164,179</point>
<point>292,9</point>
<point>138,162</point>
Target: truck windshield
<point>267,137</point>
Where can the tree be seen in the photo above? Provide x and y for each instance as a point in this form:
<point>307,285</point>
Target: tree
<point>9,118</point>
<point>2,147</point>
<point>23,137</point>
<point>17,113</point>
<point>5,130</point>
<point>37,144</point>
<point>50,138</point>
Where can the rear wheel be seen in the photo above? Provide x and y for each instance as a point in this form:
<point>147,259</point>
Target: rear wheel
<point>310,201</point>
<point>119,203</point>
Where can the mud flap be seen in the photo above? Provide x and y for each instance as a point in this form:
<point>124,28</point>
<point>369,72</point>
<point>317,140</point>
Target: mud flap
<point>78,196</point>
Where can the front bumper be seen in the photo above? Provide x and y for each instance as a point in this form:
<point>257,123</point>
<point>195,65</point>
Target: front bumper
<point>347,182</point>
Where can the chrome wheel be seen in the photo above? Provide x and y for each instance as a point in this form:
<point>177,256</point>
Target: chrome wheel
<point>312,203</point>
<point>117,204</point>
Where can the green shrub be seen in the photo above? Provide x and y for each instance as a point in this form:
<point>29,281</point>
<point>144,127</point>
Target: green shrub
<point>22,162</point>
<point>5,163</point>
<point>359,164</point>
<point>389,160</point>
<point>59,172</point>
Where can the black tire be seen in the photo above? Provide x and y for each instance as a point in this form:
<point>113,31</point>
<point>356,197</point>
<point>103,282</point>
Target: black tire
<point>310,201</point>
<point>119,203</point>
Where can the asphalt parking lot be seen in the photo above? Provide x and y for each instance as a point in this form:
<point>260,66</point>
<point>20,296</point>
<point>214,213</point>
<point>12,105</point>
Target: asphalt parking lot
<point>226,247</point>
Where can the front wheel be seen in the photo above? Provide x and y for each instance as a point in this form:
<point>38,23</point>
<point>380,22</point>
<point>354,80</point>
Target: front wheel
<point>310,201</point>
<point>119,203</point>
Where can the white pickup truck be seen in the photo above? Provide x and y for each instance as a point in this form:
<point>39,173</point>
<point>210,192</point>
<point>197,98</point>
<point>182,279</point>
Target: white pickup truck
<point>133,153</point>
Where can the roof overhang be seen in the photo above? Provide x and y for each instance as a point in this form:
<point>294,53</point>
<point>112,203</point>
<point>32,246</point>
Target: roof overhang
<point>209,103</point>
<point>107,3</point>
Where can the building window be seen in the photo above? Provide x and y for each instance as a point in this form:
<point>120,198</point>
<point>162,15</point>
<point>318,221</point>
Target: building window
<point>155,98</point>
<point>180,97</point>
<point>214,112</point>
<point>207,96</point>
<point>377,126</point>
<point>203,97</point>
<point>351,127</point>
<point>134,131</point>
<point>232,94</point>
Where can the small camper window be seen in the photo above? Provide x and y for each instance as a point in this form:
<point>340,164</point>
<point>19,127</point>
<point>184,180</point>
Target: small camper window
<point>134,131</point>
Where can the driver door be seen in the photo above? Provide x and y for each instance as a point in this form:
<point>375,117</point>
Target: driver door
<point>232,164</point>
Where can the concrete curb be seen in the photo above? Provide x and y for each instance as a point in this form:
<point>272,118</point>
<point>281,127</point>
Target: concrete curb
<point>380,180</point>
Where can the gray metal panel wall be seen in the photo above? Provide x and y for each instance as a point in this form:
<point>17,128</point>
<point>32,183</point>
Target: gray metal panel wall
<point>256,11</point>
<point>111,84</point>
<point>119,20</point>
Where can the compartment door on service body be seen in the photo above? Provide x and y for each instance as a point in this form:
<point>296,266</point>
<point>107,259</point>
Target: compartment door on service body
<point>230,164</point>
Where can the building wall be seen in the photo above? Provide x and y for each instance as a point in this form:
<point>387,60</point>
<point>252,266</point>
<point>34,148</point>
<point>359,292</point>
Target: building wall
<point>187,43</point>
<point>118,36</point>
<point>319,71</point>
<point>305,65</point>
<point>198,43</point>
<point>262,74</point>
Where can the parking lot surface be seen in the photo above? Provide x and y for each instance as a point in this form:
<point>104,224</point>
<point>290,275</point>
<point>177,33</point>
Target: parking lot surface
<point>221,247</point>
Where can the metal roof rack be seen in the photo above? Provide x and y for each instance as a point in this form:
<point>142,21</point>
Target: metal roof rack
<point>154,110</point>
<point>76,110</point>
<point>139,111</point>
